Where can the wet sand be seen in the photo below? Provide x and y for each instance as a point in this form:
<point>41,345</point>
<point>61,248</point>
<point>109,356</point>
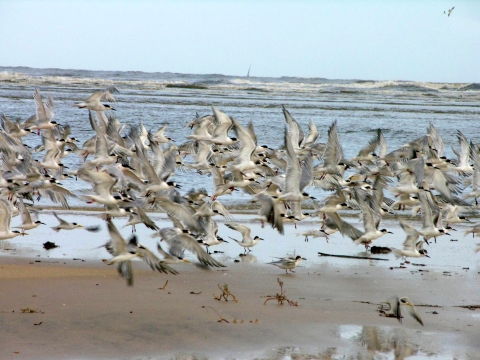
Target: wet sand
<point>87,311</point>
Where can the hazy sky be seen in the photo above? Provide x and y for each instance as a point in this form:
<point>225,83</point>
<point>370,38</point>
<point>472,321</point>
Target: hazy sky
<point>380,40</point>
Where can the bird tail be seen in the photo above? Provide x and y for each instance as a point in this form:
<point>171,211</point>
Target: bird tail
<point>238,241</point>
<point>398,253</point>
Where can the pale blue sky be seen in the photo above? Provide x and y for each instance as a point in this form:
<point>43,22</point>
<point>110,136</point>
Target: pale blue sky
<point>380,40</point>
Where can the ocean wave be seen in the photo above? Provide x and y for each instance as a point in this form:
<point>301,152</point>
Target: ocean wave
<point>159,81</point>
<point>473,86</point>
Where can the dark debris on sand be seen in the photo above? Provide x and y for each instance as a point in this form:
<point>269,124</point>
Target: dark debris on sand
<point>49,245</point>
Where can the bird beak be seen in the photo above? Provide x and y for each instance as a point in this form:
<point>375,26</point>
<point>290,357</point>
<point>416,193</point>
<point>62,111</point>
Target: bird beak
<point>389,232</point>
<point>225,241</point>
<point>304,259</point>
<point>427,256</point>
<point>260,239</point>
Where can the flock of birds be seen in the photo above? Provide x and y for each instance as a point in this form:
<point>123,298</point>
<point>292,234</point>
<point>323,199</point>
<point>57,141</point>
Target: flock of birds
<point>129,172</point>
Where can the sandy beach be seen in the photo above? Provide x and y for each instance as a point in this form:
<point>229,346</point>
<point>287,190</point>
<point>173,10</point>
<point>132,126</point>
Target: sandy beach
<point>83,309</point>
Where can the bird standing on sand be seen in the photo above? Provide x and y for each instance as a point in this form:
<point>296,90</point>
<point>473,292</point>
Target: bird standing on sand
<point>288,263</point>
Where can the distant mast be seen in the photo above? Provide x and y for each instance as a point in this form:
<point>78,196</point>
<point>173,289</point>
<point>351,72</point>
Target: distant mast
<point>248,72</point>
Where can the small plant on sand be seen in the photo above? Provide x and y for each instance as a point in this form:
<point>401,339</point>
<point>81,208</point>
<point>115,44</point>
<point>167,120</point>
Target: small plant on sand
<point>234,321</point>
<point>225,294</point>
<point>281,298</point>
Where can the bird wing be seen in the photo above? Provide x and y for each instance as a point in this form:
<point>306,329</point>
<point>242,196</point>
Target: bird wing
<point>5,214</point>
<point>295,132</point>
<point>371,146</point>
<point>346,229</point>
<point>180,243</point>
<point>307,171</point>
<point>222,210</point>
<point>464,158</point>
<point>426,211</point>
<point>412,236</point>
<point>42,115</point>
<point>62,222</point>
<point>125,270</point>
<point>248,144</point>
<point>269,209</point>
<point>313,134</point>
<point>118,242</point>
<point>181,213</point>
<point>25,214</point>
<point>293,173</point>
<point>333,150</point>
<point>152,260</point>
<point>145,219</point>
<point>244,230</point>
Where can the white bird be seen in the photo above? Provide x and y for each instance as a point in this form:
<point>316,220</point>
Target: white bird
<point>27,221</point>
<point>370,223</point>
<point>295,179</point>
<point>65,225</point>
<point>243,162</point>
<point>432,227</point>
<point>94,101</point>
<point>5,219</point>
<point>410,246</point>
<point>288,263</point>
<point>315,233</point>
<point>392,307</point>
<point>331,204</point>
<point>170,259</point>
<point>45,112</point>
<point>103,185</point>
<point>179,241</point>
<point>138,216</point>
<point>247,241</point>
<point>474,230</point>
<point>124,253</point>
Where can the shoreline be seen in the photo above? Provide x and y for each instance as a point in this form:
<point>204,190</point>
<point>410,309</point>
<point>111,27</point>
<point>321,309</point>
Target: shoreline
<point>88,312</point>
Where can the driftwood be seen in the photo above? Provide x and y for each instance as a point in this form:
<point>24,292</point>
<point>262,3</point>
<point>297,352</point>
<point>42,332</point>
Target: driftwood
<point>352,257</point>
